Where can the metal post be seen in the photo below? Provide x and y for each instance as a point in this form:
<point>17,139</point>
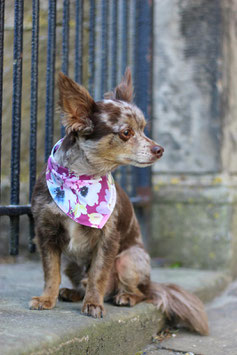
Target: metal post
<point>51,48</point>
<point>114,35</point>
<point>143,70</point>
<point>104,48</point>
<point>79,41</point>
<point>33,111</point>
<point>142,80</point>
<point>16,122</point>
<point>124,58</point>
<point>34,92</point>
<point>124,35</point>
<point>2,8</point>
<point>92,48</point>
<point>65,44</point>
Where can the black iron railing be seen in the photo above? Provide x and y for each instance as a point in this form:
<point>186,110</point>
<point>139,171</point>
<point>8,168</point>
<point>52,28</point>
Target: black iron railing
<point>118,34</point>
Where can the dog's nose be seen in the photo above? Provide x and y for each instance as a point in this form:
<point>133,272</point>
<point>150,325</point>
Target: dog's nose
<point>157,150</point>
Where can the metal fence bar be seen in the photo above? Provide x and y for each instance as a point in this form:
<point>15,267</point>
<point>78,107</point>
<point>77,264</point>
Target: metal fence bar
<point>92,48</point>
<point>143,55</point>
<point>17,210</point>
<point>104,48</point>
<point>114,35</point>
<point>33,111</point>
<point>124,35</point>
<point>143,73</point>
<point>34,92</point>
<point>65,41</point>
<point>114,52</point>
<point>134,68</point>
<point>2,11</point>
<point>65,44</point>
<point>124,59</point>
<point>79,40</point>
<point>49,108</point>
<point>31,244</point>
<point>16,121</point>
<point>143,68</point>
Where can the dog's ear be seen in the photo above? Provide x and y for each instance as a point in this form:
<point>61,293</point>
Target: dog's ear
<point>77,105</point>
<point>124,91</point>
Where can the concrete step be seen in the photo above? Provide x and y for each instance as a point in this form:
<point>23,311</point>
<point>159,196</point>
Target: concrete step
<point>222,340</point>
<point>64,330</point>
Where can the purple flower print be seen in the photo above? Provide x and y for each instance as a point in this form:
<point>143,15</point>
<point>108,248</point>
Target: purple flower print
<point>103,208</point>
<point>107,195</point>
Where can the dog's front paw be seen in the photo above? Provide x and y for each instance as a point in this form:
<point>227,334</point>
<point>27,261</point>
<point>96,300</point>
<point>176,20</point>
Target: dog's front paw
<point>42,302</point>
<point>93,310</point>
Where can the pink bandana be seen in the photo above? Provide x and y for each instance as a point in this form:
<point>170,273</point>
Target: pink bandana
<point>87,200</point>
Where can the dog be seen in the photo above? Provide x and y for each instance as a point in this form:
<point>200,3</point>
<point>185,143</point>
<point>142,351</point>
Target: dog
<point>100,234</point>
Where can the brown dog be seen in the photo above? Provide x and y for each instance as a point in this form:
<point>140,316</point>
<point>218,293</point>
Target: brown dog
<point>110,262</point>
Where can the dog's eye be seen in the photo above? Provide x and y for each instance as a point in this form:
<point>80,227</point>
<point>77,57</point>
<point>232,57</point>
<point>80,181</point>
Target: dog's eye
<point>126,134</point>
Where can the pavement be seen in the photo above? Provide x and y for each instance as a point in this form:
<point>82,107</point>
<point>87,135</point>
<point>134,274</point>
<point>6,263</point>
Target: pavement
<point>124,330</point>
<point>222,340</point>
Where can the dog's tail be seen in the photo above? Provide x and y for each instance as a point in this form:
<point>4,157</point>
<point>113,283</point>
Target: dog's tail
<point>180,305</point>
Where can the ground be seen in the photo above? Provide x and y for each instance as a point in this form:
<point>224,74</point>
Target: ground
<point>222,314</point>
<point>123,331</point>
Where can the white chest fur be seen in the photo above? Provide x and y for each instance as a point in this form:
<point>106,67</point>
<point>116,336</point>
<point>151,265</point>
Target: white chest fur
<point>83,240</point>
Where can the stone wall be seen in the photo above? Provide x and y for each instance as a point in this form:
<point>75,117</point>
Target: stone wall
<point>194,107</point>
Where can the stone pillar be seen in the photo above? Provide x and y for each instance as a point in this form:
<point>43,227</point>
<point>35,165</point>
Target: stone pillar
<point>195,120</point>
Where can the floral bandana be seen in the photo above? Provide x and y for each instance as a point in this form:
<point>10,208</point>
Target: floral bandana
<point>87,200</point>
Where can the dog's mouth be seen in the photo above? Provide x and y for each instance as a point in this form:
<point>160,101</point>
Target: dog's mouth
<point>130,161</point>
<point>143,163</point>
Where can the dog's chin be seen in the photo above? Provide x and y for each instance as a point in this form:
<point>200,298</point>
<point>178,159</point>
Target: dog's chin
<point>139,164</point>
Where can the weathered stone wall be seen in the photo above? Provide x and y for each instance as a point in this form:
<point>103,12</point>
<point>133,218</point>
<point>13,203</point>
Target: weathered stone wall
<point>187,50</point>
<point>229,87</point>
<point>194,105</point>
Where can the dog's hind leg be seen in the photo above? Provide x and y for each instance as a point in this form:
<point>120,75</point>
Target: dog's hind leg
<point>75,273</point>
<point>133,271</point>
<point>71,295</point>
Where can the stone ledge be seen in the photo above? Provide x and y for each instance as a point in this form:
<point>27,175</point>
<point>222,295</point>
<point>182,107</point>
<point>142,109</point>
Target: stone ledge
<point>64,330</point>
<point>195,227</point>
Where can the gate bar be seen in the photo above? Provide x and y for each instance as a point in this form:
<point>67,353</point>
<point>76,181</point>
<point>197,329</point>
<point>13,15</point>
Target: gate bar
<point>143,66</point>
<point>33,112</point>
<point>143,73</point>
<point>124,35</point>
<point>16,122</point>
<point>34,92</point>
<point>79,41</point>
<point>49,108</point>
<point>65,39</point>
<point>15,210</point>
<point>124,60</point>
<point>91,82</point>
<point>2,11</point>
<point>104,49</point>
<point>114,35</point>
<point>65,44</point>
